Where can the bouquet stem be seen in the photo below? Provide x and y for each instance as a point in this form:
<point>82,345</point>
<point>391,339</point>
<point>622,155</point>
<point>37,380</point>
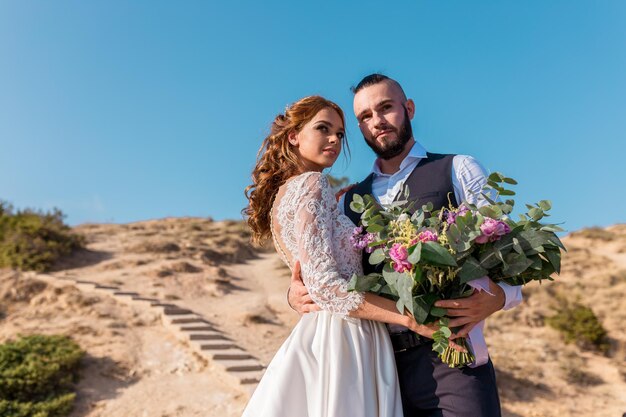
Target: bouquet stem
<point>455,359</point>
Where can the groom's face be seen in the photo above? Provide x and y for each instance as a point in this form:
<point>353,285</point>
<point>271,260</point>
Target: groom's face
<point>384,116</point>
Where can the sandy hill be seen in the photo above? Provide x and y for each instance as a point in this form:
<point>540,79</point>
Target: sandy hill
<point>135,366</point>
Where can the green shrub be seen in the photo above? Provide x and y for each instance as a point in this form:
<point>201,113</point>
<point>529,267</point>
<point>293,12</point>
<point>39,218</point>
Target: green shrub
<point>34,240</point>
<point>36,376</point>
<point>578,323</point>
<point>59,406</point>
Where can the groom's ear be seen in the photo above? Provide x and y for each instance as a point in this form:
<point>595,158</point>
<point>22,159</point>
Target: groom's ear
<point>410,108</point>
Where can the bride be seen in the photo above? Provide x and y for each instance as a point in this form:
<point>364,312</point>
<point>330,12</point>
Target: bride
<point>337,362</point>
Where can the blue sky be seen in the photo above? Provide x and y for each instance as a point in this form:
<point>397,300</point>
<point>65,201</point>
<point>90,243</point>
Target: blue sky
<point>120,111</point>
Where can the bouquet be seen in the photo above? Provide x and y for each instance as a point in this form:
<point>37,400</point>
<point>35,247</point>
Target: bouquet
<point>429,255</point>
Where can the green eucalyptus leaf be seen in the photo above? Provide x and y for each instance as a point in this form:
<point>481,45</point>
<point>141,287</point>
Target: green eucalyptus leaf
<point>506,208</point>
<point>375,228</point>
<point>545,205</point>
<point>438,311</point>
<point>507,192</point>
<point>357,207</point>
<point>496,177</point>
<point>405,287</point>
<point>377,256</point>
<point>435,254</point>
<point>516,246</point>
<point>422,305</point>
<point>364,283</point>
<point>416,254</point>
<point>446,332</point>
<point>488,198</point>
<point>490,258</point>
<point>470,270</point>
<point>516,263</point>
<point>418,276</point>
<point>509,181</point>
<point>535,214</point>
<point>554,257</point>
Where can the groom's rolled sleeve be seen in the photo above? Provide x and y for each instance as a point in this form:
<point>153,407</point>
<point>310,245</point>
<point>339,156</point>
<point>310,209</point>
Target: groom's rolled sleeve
<point>468,179</point>
<point>512,295</point>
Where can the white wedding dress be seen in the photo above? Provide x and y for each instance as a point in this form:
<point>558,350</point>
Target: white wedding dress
<point>331,365</point>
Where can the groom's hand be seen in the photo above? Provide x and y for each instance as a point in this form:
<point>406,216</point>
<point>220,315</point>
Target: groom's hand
<point>468,312</point>
<point>298,296</point>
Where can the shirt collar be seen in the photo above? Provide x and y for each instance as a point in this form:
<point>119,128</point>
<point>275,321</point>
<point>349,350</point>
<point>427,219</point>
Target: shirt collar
<point>417,152</point>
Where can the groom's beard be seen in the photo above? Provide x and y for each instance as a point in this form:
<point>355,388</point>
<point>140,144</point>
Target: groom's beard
<point>395,148</point>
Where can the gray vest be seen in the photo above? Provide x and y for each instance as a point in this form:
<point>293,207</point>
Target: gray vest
<point>430,181</point>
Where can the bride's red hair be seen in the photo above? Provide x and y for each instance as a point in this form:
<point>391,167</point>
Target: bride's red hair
<point>277,162</point>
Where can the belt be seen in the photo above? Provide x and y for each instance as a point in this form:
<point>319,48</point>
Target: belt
<point>407,340</point>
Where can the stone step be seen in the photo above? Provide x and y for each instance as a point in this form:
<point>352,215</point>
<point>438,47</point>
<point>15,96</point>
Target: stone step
<point>188,319</point>
<point>140,298</point>
<point>240,365</point>
<point>126,294</point>
<point>228,354</point>
<point>144,301</point>
<point>159,303</point>
<point>107,287</point>
<point>207,336</point>
<point>212,345</point>
<point>66,279</point>
<point>246,378</point>
<point>176,311</point>
<point>85,285</point>
<point>199,328</point>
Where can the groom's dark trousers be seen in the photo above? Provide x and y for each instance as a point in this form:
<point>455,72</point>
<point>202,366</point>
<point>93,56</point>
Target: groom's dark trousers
<point>430,388</point>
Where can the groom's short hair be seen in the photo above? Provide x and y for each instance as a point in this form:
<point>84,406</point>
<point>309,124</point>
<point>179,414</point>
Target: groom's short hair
<point>375,78</point>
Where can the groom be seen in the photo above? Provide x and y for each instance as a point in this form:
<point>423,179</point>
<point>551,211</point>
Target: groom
<point>428,386</point>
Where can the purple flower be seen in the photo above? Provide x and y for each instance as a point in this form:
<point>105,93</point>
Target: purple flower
<point>369,238</point>
<point>492,230</point>
<point>453,214</point>
<point>361,241</point>
<point>399,255</point>
<point>427,236</point>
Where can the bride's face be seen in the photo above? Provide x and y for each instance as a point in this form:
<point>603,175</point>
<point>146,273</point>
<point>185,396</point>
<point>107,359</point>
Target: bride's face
<point>318,144</point>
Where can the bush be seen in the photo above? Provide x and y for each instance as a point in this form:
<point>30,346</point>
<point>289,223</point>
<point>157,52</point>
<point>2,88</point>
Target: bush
<point>34,240</point>
<point>580,325</point>
<point>36,376</point>
<point>59,406</point>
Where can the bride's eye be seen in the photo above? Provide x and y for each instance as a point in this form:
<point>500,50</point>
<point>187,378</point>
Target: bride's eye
<point>322,128</point>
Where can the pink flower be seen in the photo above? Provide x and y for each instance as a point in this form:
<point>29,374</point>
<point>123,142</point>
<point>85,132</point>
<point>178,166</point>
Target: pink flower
<point>399,255</point>
<point>427,236</point>
<point>492,230</point>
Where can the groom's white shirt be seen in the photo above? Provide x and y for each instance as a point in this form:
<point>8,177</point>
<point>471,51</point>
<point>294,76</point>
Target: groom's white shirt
<point>468,179</point>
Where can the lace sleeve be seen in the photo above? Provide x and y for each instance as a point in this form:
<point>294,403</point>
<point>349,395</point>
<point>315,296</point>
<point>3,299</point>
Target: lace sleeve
<point>314,230</point>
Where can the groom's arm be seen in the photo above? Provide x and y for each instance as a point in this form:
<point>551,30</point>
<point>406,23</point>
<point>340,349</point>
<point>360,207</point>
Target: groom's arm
<point>468,180</point>
<point>298,296</point>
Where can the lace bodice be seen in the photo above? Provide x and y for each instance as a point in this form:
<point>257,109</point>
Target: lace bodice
<point>307,226</point>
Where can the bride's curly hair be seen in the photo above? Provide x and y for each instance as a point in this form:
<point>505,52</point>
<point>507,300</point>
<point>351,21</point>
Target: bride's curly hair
<point>277,162</point>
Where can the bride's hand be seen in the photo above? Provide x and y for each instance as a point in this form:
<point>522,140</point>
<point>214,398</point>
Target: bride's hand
<point>427,330</point>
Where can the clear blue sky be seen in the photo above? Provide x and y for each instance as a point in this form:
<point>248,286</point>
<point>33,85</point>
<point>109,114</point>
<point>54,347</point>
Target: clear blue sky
<point>117,111</point>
